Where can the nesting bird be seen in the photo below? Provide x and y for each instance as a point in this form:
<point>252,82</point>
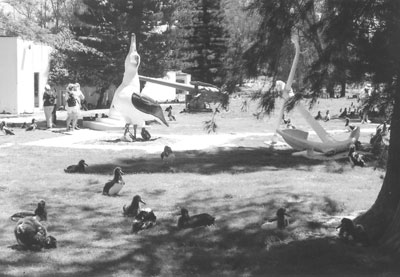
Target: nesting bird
<point>114,186</point>
<point>23,126</point>
<point>134,107</point>
<point>351,232</point>
<point>167,156</point>
<point>133,209</point>
<point>7,131</point>
<point>348,126</point>
<point>32,126</point>
<point>282,221</point>
<point>30,233</point>
<point>76,168</point>
<point>185,221</point>
<point>145,134</point>
<point>356,159</point>
<point>40,213</point>
<point>169,111</point>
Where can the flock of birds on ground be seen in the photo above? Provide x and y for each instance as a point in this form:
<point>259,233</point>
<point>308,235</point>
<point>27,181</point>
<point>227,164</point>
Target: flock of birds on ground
<point>31,234</point>
<point>8,131</point>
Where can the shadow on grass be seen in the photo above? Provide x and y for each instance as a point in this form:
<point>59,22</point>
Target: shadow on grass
<point>235,246</point>
<point>232,160</point>
<point>226,249</point>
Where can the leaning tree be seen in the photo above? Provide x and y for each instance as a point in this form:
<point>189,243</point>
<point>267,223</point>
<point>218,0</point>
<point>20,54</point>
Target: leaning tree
<point>368,31</point>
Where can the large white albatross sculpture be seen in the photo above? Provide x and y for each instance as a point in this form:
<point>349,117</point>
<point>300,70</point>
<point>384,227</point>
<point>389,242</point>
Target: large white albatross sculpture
<point>134,107</point>
<point>298,139</point>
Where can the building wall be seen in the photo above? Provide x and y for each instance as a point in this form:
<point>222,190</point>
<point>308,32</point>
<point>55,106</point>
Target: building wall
<point>8,75</point>
<point>31,58</point>
<point>20,59</point>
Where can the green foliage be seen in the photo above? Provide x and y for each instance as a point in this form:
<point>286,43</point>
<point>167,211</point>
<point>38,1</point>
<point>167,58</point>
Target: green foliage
<point>205,41</point>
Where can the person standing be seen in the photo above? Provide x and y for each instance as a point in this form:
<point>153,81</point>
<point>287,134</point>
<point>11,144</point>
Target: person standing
<point>365,105</point>
<point>73,98</point>
<point>48,105</point>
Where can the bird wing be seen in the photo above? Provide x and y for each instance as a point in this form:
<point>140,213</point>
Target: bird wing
<point>107,186</point>
<point>148,106</point>
<point>8,131</point>
<point>18,216</point>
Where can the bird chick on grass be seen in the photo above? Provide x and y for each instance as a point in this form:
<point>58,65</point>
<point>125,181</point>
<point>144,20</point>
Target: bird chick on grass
<point>5,129</point>
<point>32,126</point>
<point>167,156</point>
<point>143,218</point>
<point>356,159</point>
<point>40,213</point>
<point>185,221</point>
<point>146,219</point>
<point>78,168</point>
<point>280,218</point>
<point>353,233</point>
<point>32,235</point>
<point>349,127</point>
<point>114,186</point>
<point>133,209</point>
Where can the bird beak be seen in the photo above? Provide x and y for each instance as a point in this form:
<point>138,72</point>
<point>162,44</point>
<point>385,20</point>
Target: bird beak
<point>122,173</point>
<point>86,164</point>
<point>339,226</point>
<point>141,201</point>
<point>288,215</point>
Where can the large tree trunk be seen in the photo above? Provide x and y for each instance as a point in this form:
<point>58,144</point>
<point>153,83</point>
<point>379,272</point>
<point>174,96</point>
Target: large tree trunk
<point>382,220</point>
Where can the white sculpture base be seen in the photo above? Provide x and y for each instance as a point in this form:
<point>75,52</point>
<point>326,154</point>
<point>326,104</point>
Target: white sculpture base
<point>105,124</point>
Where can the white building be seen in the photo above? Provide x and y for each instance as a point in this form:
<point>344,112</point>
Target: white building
<point>24,70</point>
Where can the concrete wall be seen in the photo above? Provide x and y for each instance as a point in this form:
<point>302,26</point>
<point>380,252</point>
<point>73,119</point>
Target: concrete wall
<point>8,75</point>
<point>20,60</point>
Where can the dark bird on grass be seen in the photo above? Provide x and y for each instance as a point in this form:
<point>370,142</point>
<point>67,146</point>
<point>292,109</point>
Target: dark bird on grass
<point>7,131</point>
<point>133,209</point>
<point>32,126</point>
<point>114,186</point>
<point>145,134</point>
<point>76,168</point>
<point>356,159</point>
<point>167,156</point>
<point>348,126</point>
<point>30,233</point>
<point>23,126</point>
<point>318,116</point>
<point>144,220</point>
<point>343,114</point>
<point>185,221</point>
<point>351,232</point>
<point>282,221</point>
<point>40,213</point>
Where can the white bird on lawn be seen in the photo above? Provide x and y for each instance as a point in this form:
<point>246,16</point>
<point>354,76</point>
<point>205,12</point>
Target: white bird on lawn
<point>134,107</point>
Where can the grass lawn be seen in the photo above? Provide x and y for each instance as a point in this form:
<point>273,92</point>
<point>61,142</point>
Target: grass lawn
<point>240,181</point>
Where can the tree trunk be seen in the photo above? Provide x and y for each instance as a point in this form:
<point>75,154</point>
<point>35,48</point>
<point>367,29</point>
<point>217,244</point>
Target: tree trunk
<point>330,88</point>
<point>343,87</point>
<point>382,220</point>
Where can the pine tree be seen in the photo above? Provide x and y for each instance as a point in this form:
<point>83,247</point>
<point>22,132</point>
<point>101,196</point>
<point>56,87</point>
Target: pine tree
<point>206,42</point>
